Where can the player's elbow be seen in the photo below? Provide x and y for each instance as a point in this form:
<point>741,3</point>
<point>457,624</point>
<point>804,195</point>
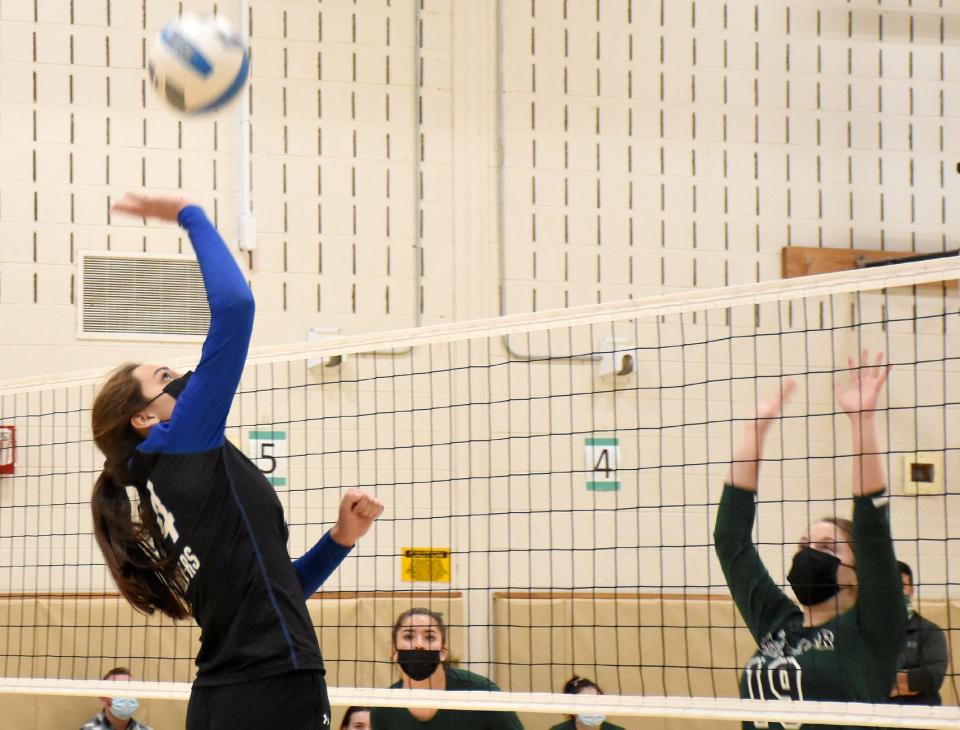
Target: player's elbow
<point>241,308</point>
<point>726,546</point>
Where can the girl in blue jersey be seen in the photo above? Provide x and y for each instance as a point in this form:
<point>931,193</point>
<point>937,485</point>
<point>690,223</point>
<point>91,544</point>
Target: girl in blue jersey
<point>210,538</point>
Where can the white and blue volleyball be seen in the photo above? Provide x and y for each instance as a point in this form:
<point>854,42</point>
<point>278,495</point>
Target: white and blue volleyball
<point>198,63</point>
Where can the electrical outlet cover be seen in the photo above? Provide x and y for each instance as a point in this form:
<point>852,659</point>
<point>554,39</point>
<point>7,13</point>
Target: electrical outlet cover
<point>923,473</point>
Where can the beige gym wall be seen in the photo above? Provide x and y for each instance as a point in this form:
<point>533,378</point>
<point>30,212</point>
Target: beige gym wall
<point>612,149</point>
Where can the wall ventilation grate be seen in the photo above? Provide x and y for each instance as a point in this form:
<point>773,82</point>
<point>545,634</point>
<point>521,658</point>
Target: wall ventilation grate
<point>137,296</point>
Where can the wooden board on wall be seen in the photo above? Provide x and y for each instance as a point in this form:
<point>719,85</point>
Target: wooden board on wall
<point>808,260</point>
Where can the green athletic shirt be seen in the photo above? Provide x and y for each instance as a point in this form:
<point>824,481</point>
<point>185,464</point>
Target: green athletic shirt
<point>851,658</point>
<point>399,718</point>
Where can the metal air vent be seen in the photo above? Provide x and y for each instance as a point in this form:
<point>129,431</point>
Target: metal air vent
<point>141,296</point>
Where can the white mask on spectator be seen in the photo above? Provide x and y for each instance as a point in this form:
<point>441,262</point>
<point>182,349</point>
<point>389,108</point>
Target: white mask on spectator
<point>123,707</point>
<point>591,720</point>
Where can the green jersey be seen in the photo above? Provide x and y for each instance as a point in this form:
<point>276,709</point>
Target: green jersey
<point>399,718</point>
<point>853,657</point>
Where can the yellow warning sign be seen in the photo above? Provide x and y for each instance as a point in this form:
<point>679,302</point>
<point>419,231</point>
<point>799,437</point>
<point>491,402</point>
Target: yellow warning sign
<point>427,564</point>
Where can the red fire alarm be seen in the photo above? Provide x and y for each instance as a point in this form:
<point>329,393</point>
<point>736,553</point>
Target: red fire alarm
<point>7,449</point>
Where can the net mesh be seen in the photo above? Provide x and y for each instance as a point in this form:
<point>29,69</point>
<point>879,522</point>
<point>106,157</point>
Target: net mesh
<point>550,482</point>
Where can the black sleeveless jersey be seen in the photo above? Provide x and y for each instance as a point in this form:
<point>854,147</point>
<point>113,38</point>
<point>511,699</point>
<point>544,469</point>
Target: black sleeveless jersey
<point>222,519</point>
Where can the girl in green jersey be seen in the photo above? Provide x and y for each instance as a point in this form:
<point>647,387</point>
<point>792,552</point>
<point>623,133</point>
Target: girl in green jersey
<point>843,641</point>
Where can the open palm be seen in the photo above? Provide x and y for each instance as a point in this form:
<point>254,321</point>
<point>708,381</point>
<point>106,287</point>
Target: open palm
<point>772,406</point>
<point>164,207</point>
<point>862,391</point>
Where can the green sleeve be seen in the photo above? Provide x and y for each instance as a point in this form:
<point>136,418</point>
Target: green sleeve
<point>881,612</point>
<point>760,601</point>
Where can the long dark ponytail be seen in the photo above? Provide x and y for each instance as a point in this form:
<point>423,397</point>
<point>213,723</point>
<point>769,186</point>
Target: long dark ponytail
<point>134,551</point>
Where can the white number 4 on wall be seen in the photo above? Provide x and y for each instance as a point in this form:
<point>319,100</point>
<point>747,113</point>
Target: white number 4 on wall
<point>602,457</point>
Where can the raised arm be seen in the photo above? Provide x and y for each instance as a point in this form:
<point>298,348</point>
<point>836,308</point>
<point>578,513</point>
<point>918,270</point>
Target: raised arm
<point>760,601</point>
<point>200,416</point>
<point>745,467</point>
<point>858,398</point>
<point>880,592</point>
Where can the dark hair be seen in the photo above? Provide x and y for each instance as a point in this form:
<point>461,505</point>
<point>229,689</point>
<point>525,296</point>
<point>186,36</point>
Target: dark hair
<point>905,570</point>
<point>117,672</point>
<point>349,714</point>
<point>575,685</point>
<point>437,618</point>
<point>134,551</point>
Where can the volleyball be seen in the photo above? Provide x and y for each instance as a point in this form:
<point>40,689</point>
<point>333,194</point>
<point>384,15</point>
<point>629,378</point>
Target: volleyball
<point>198,63</point>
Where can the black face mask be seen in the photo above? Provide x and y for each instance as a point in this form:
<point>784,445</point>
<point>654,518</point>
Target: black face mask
<point>175,387</point>
<point>813,576</point>
<point>418,664</point>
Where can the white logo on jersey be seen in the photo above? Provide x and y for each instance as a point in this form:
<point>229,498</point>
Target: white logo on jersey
<point>164,516</point>
<point>189,561</point>
<point>777,679</point>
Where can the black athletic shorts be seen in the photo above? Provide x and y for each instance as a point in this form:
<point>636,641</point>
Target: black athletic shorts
<point>292,701</point>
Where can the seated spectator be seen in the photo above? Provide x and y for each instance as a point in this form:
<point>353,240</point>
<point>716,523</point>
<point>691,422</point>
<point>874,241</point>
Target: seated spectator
<point>584,721</point>
<point>356,718</point>
<point>117,712</point>
<point>924,660</point>
<point>420,650</point>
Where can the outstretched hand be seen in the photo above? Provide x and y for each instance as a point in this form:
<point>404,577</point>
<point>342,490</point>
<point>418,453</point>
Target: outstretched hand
<point>772,406</point>
<point>164,207</point>
<point>746,457</point>
<point>862,392</point>
<point>358,510</point>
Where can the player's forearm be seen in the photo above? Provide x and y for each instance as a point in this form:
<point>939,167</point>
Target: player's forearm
<point>868,474</point>
<point>223,280</point>
<point>314,567</point>
<point>745,467</point>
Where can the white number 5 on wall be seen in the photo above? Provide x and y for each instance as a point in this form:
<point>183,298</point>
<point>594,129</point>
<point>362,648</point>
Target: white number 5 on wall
<point>268,450</point>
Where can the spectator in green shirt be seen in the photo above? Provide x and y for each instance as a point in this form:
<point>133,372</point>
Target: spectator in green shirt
<point>420,650</point>
<point>584,721</point>
<point>843,642</point>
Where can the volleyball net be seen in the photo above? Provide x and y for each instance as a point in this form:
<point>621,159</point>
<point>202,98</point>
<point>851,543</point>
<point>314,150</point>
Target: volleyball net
<point>550,481</point>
